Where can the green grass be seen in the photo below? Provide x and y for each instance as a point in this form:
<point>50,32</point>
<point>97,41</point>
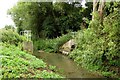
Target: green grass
<point>19,64</point>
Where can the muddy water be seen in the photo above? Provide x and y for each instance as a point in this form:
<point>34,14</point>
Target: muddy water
<point>68,66</point>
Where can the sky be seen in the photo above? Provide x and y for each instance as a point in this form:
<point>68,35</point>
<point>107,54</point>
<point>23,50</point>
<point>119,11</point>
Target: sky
<point>4,6</point>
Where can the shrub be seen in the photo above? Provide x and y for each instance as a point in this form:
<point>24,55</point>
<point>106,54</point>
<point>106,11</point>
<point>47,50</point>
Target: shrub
<point>52,45</point>
<point>99,45</point>
<point>11,37</point>
<point>112,37</point>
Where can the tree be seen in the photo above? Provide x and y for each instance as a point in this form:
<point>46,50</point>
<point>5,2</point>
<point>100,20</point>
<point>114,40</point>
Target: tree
<point>28,15</point>
<point>104,8</point>
<point>98,6</point>
<point>9,27</point>
<point>47,19</point>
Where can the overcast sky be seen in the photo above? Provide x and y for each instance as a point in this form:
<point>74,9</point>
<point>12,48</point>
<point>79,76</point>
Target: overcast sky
<point>4,6</point>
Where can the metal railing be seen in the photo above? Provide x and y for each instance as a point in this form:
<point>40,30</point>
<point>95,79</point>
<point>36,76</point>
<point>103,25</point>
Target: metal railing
<point>27,34</point>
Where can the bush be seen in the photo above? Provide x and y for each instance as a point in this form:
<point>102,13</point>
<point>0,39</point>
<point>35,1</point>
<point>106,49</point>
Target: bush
<point>88,49</point>
<point>11,37</point>
<point>52,45</point>
<point>98,46</point>
<point>112,37</point>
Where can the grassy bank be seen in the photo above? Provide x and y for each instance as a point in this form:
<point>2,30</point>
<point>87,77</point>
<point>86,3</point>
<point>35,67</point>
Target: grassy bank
<point>19,64</point>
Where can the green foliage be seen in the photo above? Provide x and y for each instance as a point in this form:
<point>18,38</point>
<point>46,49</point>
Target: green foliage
<point>110,7</point>
<point>87,11</point>
<point>107,74</point>
<point>98,46</point>
<point>9,27</point>
<point>89,48</point>
<point>46,74</point>
<point>11,37</point>
<point>112,31</point>
<point>53,68</point>
<point>52,45</point>
<point>47,19</point>
<point>18,64</point>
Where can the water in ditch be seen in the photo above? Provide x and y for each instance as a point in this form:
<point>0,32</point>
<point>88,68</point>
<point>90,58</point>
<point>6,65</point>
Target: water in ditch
<point>68,66</point>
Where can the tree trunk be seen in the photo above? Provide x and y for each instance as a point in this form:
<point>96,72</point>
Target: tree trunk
<point>101,9</point>
<point>94,8</point>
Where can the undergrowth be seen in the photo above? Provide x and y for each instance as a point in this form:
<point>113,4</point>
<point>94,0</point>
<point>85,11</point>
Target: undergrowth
<point>52,45</point>
<point>98,47</point>
<point>19,64</point>
<point>11,37</point>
